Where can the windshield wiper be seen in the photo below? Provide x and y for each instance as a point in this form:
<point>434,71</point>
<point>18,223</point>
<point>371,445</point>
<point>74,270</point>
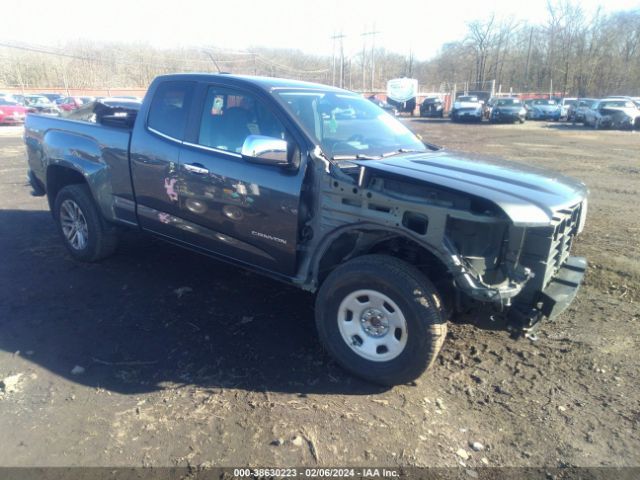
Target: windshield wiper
<point>358,156</point>
<point>361,156</point>
<point>401,150</point>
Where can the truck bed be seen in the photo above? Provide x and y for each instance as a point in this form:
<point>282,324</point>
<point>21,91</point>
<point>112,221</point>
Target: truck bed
<point>98,152</point>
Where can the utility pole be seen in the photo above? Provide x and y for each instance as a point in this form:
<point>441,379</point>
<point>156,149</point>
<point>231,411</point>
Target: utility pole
<point>333,61</point>
<point>335,37</point>
<point>526,68</point>
<point>372,34</point>
<point>410,64</point>
<point>364,59</point>
<point>341,61</point>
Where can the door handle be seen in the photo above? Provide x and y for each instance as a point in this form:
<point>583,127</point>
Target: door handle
<point>196,168</point>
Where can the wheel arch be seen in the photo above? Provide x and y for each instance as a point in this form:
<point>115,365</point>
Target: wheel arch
<point>367,238</point>
<point>59,176</point>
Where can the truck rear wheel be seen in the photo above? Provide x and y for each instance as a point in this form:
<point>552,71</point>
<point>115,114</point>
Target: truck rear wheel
<point>84,231</point>
<point>381,319</point>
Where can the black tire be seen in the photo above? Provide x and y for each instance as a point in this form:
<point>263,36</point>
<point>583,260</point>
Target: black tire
<point>412,293</point>
<point>102,238</point>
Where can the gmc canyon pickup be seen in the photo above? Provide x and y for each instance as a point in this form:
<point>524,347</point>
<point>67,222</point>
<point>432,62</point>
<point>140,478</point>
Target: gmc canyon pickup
<point>320,188</point>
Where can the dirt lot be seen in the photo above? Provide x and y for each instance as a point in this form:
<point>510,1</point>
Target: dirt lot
<point>119,364</point>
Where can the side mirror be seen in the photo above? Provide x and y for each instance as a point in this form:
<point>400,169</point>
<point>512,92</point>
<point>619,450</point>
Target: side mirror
<point>265,150</point>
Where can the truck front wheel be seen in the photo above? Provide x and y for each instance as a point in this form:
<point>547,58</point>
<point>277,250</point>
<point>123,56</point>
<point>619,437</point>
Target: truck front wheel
<point>84,231</point>
<point>381,319</point>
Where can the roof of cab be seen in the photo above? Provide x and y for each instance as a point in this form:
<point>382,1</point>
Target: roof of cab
<point>266,83</point>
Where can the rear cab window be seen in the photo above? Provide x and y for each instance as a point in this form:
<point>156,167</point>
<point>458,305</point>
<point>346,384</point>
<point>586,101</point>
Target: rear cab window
<point>169,109</point>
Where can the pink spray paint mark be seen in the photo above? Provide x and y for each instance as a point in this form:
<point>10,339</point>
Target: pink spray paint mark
<point>169,187</point>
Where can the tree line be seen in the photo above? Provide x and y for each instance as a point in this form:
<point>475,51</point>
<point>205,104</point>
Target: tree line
<point>570,52</point>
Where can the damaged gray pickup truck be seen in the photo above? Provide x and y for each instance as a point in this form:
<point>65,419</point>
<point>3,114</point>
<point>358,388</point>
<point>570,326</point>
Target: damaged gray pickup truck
<point>320,188</point>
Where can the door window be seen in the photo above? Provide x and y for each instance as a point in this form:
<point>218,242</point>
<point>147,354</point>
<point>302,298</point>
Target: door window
<point>169,108</point>
<point>229,117</point>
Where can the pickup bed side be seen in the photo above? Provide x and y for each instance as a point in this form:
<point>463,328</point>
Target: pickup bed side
<point>62,151</point>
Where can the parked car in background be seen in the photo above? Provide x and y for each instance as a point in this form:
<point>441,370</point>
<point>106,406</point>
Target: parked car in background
<point>528,105</point>
<point>139,99</point>
<point>487,108</point>
<point>613,113</point>
<point>390,109</point>
<point>52,96</point>
<point>87,99</point>
<point>11,112</point>
<point>543,109</point>
<point>467,107</point>
<point>40,104</point>
<point>70,103</point>
<point>507,110</point>
<point>565,103</point>
<point>577,110</point>
<point>432,107</point>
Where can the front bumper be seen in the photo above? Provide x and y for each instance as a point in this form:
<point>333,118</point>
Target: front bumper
<point>553,300</point>
<point>507,117</point>
<point>12,119</point>
<point>467,115</point>
<point>545,115</point>
<point>431,113</point>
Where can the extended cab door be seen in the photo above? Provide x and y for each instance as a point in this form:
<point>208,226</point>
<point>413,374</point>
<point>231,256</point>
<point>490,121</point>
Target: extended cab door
<point>236,208</point>
<point>155,156</point>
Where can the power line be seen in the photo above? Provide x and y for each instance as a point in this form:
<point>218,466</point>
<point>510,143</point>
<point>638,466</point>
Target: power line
<point>77,57</point>
<point>249,57</point>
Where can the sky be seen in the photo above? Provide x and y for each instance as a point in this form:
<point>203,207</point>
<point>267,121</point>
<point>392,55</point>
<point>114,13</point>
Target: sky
<point>420,26</point>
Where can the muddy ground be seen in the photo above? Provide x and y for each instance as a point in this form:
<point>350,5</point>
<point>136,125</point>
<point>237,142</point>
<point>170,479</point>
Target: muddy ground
<point>161,357</point>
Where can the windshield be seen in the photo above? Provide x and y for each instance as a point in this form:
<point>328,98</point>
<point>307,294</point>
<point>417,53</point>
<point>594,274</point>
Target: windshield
<point>33,100</point>
<point>348,125</point>
<point>508,102</point>
<point>467,99</point>
<point>6,102</point>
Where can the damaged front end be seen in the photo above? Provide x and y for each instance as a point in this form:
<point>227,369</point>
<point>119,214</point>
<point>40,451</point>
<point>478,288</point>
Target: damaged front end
<point>498,253</point>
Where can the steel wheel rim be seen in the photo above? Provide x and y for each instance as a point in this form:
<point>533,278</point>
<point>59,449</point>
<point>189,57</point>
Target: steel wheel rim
<point>372,325</point>
<point>74,225</point>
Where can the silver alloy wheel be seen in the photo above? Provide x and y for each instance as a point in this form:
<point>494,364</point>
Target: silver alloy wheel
<point>74,225</point>
<point>372,325</point>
